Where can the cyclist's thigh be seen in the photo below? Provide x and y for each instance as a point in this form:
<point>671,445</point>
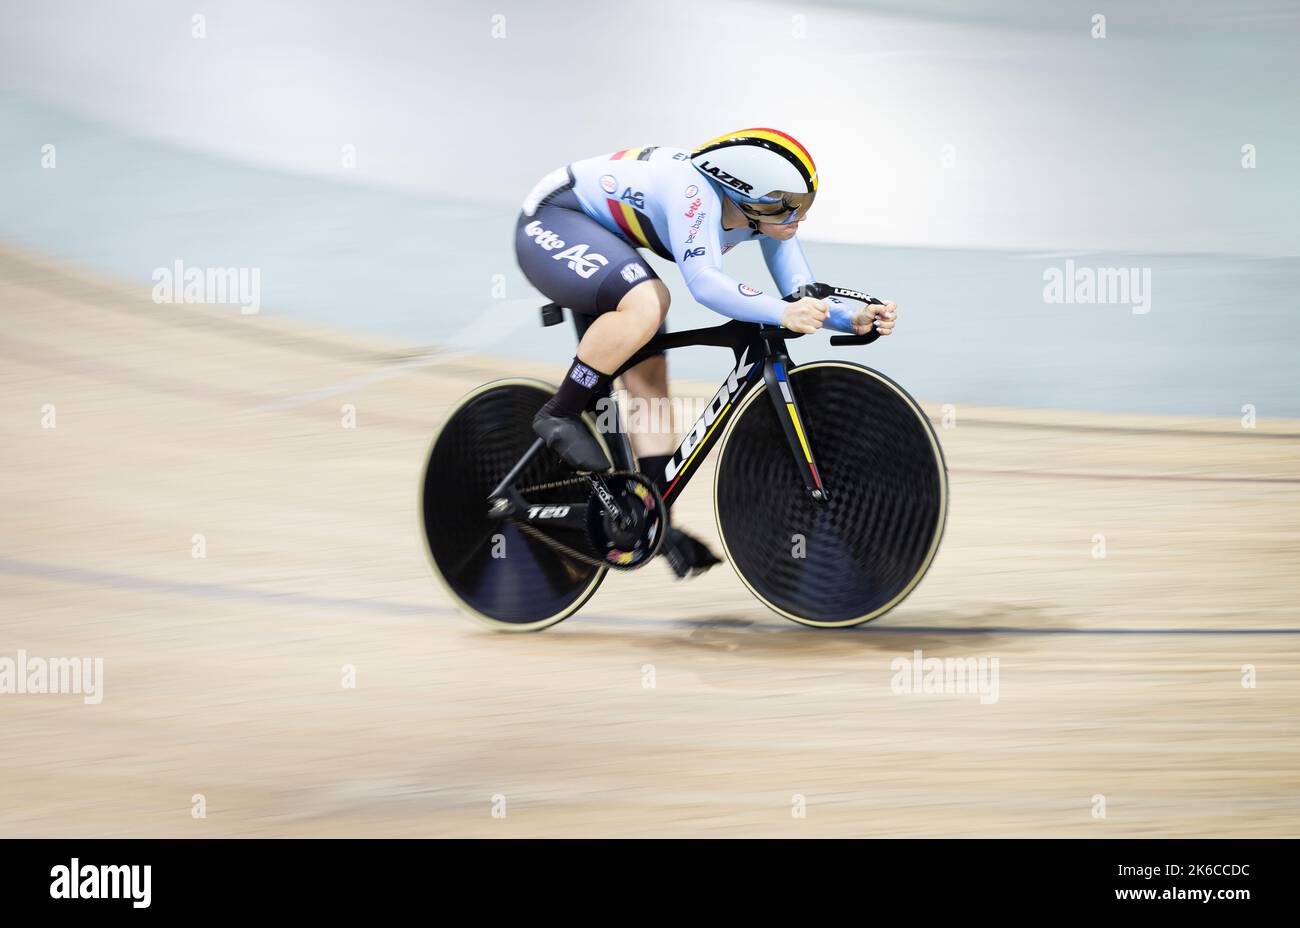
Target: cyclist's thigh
<point>576,261</point>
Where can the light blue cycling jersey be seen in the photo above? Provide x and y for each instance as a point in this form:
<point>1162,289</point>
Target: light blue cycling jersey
<point>653,197</point>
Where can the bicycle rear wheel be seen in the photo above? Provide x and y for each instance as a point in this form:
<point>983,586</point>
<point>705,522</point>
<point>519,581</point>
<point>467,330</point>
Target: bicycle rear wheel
<point>500,575</point>
<point>851,559</point>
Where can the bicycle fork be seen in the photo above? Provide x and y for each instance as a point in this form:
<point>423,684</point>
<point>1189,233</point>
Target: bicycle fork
<point>787,413</point>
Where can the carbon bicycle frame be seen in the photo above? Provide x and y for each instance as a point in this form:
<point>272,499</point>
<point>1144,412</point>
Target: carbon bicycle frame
<point>759,357</point>
<point>757,350</point>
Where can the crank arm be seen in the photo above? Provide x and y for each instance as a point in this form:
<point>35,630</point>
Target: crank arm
<point>607,501</point>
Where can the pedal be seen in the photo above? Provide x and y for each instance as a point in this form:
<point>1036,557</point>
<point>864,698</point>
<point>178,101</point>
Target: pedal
<point>687,556</point>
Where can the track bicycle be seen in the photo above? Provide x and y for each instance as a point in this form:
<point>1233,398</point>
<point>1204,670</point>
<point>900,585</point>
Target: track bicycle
<point>830,490</point>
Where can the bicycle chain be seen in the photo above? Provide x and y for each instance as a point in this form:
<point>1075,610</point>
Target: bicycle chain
<point>529,529</point>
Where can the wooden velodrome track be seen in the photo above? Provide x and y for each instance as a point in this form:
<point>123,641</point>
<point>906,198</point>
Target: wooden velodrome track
<point>1119,677</point>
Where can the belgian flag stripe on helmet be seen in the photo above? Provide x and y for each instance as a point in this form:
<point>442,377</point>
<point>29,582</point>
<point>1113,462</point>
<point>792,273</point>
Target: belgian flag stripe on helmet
<point>777,141</point>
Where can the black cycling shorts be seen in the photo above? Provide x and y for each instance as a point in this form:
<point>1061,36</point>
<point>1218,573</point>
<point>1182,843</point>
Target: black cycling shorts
<point>574,260</point>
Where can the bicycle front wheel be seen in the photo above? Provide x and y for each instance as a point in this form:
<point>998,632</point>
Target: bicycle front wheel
<point>848,560</point>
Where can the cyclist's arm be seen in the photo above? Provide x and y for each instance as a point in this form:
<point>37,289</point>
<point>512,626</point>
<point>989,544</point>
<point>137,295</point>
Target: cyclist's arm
<point>697,249</point>
<point>790,270</point>
<point>730,297</point>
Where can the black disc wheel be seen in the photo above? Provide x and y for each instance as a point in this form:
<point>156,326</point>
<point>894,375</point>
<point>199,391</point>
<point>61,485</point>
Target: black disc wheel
<point>848,560</point>
<point>509,579</point>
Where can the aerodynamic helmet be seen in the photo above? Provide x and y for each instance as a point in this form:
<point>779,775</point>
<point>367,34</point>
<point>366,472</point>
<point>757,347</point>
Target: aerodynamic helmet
<point>765,172</point>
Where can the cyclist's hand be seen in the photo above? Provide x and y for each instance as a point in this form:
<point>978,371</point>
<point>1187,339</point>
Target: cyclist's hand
<point>881,315</point>
<point>805,315</point>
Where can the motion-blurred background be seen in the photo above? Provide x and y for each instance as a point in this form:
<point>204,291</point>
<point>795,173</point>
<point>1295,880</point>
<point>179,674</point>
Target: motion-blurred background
<point>368,160</point>
<point>222,507</point>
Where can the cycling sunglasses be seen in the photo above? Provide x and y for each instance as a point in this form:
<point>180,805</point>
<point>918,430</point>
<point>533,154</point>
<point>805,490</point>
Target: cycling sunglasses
<point>789,206</point>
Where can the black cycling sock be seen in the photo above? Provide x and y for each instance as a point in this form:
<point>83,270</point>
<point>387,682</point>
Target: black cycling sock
<point>652,465</point>
<point>581,386</point>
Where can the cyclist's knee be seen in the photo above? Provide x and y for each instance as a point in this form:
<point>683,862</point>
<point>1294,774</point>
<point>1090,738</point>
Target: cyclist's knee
<point>647,304</point>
